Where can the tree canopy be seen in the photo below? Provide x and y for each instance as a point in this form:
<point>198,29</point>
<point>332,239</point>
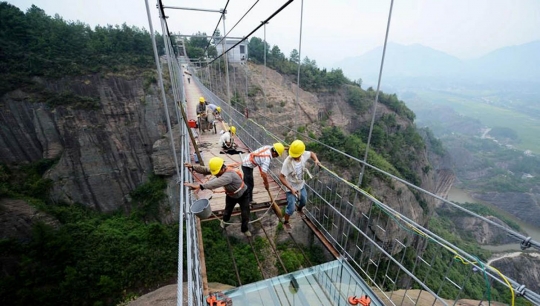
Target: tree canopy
<point>35,44</point>
<point>312,78</point>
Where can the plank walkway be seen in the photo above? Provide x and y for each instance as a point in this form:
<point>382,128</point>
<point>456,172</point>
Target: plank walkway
<point>208,143</point>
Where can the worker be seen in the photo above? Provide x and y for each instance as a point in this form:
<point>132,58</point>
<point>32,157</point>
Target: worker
<point>292,177</point>
<point>213,112</point>
<point>259,158</point>
<point>235,189</point>
<point>216,110</point>
<point>226,140</point>
<point>201,113</point>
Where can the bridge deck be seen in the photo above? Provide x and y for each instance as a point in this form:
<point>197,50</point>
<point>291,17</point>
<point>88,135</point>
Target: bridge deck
<point>208,143</point>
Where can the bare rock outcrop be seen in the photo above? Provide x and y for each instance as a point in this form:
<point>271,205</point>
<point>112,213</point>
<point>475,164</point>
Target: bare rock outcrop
<point>481,231</point>
<point>104,152</point>
<point>18,217</point>
<point>525,206</point>
<point>521,267</point>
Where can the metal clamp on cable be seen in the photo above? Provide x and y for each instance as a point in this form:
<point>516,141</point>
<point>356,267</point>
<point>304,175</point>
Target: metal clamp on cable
<point>520,291</point>
<point>525,244</point>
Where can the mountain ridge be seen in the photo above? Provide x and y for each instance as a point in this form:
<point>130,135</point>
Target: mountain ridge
<point>516,62</point>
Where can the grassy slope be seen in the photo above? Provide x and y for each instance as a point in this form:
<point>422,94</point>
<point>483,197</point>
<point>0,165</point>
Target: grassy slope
<point>526,126</point>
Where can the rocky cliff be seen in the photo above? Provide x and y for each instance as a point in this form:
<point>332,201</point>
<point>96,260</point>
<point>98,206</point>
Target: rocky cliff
<point>106,150</point>
<point>521,267</point>
<point>103,150</point>
<point>271,98</point>
<point>525,206</point>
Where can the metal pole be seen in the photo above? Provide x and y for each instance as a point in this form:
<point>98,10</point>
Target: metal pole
<point>180,292</point>
<point>299,62</point>
<point>191,9</point>
<point>374,111</point>
<point>264,79</point>
<point>227,70</point>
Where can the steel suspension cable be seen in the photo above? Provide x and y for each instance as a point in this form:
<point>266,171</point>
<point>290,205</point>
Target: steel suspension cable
<point>265,80</point>
<point>226,35</point>
<point>255,30</point>
<point>256,257</point>
<point>374,110</point>
<point>526,242</point>
<point>273,247</point>
<point>232,258</point>
<point>310,264</point>
<point>365,163</point>
<point>299,64</point>
<point>217,25</point>
<point>164,98</point>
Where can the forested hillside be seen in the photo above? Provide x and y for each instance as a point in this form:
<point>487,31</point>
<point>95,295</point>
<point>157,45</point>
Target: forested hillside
<point>35,44</point>
<point>52,253</point>
<point>87,257</point>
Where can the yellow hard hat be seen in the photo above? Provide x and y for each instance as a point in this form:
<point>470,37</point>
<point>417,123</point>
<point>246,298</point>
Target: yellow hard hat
<point>297,148</point>
<point>279,148</point>
<point>201,99</point>
<point>215,164</point>
<point>218,109</point>
<point>233,130</point>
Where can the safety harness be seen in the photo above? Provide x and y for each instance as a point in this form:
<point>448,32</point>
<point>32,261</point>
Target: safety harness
<point>231,169</point>
<point>252,156</point>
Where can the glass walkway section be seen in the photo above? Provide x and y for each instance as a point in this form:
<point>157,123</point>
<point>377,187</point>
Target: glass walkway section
<point>331,283</point>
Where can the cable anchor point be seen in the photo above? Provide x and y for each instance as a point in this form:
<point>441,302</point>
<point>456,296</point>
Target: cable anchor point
<point>525,244</point>
<point>520,291</point>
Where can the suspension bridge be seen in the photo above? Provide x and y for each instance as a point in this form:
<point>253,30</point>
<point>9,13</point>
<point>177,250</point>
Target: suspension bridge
<point>390,256</point>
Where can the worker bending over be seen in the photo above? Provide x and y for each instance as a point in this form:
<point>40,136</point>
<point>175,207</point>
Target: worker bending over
<point>259,158</point>
<point>235,189</point>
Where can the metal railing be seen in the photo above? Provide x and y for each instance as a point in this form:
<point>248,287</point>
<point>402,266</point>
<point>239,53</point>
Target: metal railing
<point>392,251</point>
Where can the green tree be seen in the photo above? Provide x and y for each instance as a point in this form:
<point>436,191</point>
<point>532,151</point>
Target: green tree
<point>294,56</point>
<point>256,49</point>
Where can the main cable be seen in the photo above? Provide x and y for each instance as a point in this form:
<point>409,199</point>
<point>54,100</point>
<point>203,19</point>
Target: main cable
<point>225,36</point>
<point>299,64</point>
<point>361,175</point>
<point>258,27</point>
<point>217,25</point>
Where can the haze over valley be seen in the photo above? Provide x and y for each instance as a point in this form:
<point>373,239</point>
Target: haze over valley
<point>486,111</point>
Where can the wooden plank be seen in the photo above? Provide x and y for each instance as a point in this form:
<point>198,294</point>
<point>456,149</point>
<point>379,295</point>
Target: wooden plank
<point>209,147</point>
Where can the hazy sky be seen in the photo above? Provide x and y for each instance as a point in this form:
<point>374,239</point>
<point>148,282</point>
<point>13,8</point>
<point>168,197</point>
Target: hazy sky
<point>332,30</point>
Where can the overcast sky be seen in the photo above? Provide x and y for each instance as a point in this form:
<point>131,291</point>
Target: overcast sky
<point>332,30</point>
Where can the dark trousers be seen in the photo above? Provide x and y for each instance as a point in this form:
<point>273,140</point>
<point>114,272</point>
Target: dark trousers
<point>248,180</point>
<point>243,201</point>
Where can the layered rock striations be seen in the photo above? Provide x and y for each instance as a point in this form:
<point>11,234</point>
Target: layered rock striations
<point>103,150</point>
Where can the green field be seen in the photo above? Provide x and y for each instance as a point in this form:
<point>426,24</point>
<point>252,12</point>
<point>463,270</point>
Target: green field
<point>526,126</point>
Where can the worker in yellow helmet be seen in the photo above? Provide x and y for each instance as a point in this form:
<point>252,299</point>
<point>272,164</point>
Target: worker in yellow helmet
<point>226,140</point>
<point>201,113</point>
<point>216,110</point>
<point>259,158</point>
<point>292,176</point>
<point>235,188</point>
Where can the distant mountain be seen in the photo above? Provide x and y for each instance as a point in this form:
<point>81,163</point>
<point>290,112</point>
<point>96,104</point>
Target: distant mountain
<point>514,62</point>
<point>401,61</point>
<point>421,62</point>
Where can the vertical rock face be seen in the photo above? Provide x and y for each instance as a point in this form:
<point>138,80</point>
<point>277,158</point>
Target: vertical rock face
<point>103,152</point>
<point>525,269</point>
